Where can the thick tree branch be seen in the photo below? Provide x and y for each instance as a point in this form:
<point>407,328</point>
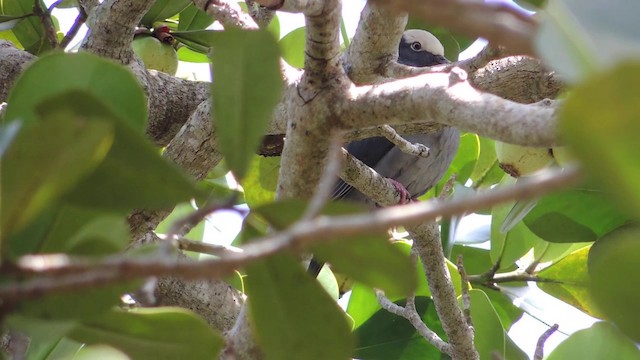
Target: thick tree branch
<point>447,98</point>
<point>374,45</point>
<point>111,28</point>
<point>227,12</point>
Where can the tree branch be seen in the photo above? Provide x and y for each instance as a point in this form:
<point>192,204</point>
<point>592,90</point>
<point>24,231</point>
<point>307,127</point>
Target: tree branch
<point>447,98</point>
<point>61,273</point>
<point>427,243</point>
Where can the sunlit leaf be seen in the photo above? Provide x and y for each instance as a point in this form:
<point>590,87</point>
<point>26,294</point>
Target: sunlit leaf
<point>570,281</point>
<point>292,46</point>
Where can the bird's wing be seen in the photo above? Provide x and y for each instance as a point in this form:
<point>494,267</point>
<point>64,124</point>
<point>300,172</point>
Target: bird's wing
<point>370,151</point>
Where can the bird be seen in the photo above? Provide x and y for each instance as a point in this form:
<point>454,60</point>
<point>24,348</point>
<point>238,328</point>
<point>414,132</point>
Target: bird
<point>411,174</point>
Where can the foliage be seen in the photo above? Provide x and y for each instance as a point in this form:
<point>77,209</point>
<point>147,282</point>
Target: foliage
<point>75,162</point>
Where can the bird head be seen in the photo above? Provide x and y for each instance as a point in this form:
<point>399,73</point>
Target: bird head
<point>420,48</point>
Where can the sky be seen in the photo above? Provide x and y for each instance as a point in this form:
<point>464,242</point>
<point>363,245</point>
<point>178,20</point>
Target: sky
<point>223,227</point>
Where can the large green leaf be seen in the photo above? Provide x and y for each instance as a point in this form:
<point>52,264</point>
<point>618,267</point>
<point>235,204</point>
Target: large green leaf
<point>162,10</point>
<point>292,46</point>
<point>600,120</point>
<point>153,333</point>
<point>113,84</point>
<point>489,333</point>
<point>132,174</point>
<point>47,159</point>
<point>512,245</point>
<point>574,215</point>
<point>369,258</point>
<point>293,316</point>
<point>192,18</point>
<point>246,87</point>
<point>570,281</point>
<point>600,341</point>
<point>614,263</point>
<point>30,31</point>
<point>388,336</point>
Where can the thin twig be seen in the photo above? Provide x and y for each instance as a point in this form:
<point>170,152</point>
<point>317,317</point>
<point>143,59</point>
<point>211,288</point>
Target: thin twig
<point>60,273</point>
<point>410,313</point>
<point>402,144</point>
<point>73,31</point>
<point>47,22</point>
<point>464,285</point>
<point>205,248</point>
<point>539,353</point>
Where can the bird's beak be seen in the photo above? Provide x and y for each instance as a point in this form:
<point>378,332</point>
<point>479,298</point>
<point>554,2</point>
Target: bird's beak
<point>442,60</point>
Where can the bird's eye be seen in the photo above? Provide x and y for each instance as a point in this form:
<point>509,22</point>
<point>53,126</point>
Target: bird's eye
<point>416,46</point>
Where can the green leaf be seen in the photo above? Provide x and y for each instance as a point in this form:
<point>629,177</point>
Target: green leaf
<point>606,145</point>
<point>370,258</point>
<point>7,22</point>
<point>153,333</point>
<point>309,323</point>
<point>187,54</point>
<point>388,336</point>
<point>613,267</point>
<point>246,88</point>
<point>462,164</point>
<point>78,304</point>
<point>578,38</point>
<point>192,18</point>
<point>574,215</point>
<point>162,10</point>
<point>7,134</point>
<point>571,281</point>
<point>292,46</point>
<point>489,333</point>
<point>30,31</point>
<point>261,180</point>
<point>600,341</point>
<point>46,160</point>
<point>113,84</point>
<point>197,40</point>
<point>133,174</point>
<point>487,158</point>
<point>503,306</point>
<point>512,245</point>
<point>11,37</point>
<point>82,231</point>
